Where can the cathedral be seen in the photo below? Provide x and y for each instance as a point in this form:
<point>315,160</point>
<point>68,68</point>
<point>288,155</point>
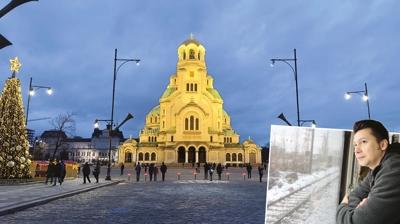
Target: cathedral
<point>189,125</point>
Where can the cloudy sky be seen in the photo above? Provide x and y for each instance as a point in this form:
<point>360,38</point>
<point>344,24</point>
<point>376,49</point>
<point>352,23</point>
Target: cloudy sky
<point>341,44</point>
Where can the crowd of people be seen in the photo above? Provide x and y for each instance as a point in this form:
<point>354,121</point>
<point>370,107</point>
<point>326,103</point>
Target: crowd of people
<point>55,172</point>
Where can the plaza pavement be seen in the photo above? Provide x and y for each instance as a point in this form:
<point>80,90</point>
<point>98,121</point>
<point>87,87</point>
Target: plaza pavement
<point>14,198</point>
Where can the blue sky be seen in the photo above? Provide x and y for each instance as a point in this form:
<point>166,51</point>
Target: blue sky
<point>69,45</point>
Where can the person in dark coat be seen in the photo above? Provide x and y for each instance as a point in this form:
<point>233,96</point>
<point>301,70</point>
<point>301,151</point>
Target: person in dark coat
<point>63,172</point>
<point>57,173</point>
<point>249,168</point>
<point>163,169</point>
<point>50,172</point>
<point>155,172</point>
<point>137,169</point>
<point>86,172</point>
<point>151,171</point>
<point>219,171</point>
<point>122,169</point>
<point>96,171</point>
<point>206,167</point>
<point>377,198</point>
<point>260,172</point>
<point>211,171</point>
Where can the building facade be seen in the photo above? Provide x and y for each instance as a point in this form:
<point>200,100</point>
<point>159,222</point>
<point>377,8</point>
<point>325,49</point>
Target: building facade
<point>189,125</point>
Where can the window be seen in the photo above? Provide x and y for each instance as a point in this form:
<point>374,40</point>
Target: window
<point>187,87</point>
<point>195,87</point>
<point>233,157</point>
<point>141,156</point>
<point>197,124</point>
<point>224,139</point>
<point>240,157</point>
<point>198,55</point>
<point>155,139</point>
<point>211,139</point>
<point>228,157</point>
<point>186,124</point>
<point>191,123</point>
<point>184,55</point>
<point>149,139</point>
<point>151,120</point>
<point>163,124</point>
<point>146,156</point>
<point>153,156</point>
<point>191,86</point>
<point>191,54</point>
<point>172,138</point>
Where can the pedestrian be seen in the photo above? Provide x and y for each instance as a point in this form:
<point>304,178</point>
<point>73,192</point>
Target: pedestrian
<point>57,173</point>
<point>37,170</point>
<point>50,172</point>
<point>79,169</point>
<point>163,169</point>
<point>63,172</point>
<point>219,171</point>
<point>151,171</point>
<point>376,198</point>
<point>86,172</point>
<point>260,172</point>
<point>205,171</point>
<point>211,172</point>
<point>249,168</point>
<point>137,169</point>
<point>122,169</point>
<point>265,166</point>
<point>96,171</point>
<point>155,172</point>
<point>145,167</point>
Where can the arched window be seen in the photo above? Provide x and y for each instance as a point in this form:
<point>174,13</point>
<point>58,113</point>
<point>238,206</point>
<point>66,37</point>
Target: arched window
<point>195,87</point>
<point>155,120</point>
<point>191,54</point>
<point>191,86</point>
<point>186,124</point>
<point>155,139</point>
<point>233,157</point>
<point>198,55</point>
<point>128,157</point>
<point>191,123</point>
<point>240,157</point>
<point>163,124</point>
<point>153,156</point>
<point>146,156</point>
<point>149,139</point>
<point>187,87</point>
<point>140,156</point>
<point>228,157</point>
<point>151,119</point>
<point>184,55</point>
<point>224,139</point>
<point>197,124</point>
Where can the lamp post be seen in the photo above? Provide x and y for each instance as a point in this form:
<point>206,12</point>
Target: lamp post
<point>116,69</point>
<point>287,60</point>
<point>365,97</point>
<point>32,89</point>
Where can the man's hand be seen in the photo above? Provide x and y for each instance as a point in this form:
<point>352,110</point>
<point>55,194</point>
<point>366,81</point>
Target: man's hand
<point>362,202</point>
<point>346,199</point>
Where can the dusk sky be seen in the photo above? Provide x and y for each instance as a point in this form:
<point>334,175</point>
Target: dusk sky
<point>341,44</point>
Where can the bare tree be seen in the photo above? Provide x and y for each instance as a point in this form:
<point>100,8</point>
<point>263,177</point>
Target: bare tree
<point>63,124</point>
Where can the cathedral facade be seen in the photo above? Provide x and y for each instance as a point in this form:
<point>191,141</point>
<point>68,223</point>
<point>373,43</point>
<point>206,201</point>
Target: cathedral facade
<point>189,125</point>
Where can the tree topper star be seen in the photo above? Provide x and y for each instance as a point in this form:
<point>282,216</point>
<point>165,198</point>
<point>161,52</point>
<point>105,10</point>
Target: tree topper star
<point>15,65</point>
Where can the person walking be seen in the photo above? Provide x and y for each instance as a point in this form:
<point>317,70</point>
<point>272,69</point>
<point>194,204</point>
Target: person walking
<point>57,173</point>
<point>219,171</point>
<point>86,172</point>
<point>211,170</point>
<point>50,172</point>
<point>249,168</point>
<point>260,172</point>
<point>137,169</point>
<point>151,171</point>
<point>206,167</point>
<point>63,172</point>
<point>155,172</point>
<point>122,168</point>
<point>163,169</point>
<point>96,171</point>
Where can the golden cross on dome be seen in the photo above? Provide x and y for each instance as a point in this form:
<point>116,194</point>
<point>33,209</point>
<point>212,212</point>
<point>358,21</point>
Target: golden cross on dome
<point>15,65</point>
<point>191,36</point>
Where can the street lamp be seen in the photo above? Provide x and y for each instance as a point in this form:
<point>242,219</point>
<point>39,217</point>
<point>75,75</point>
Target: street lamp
<point>287,60</point>
<point>124,61</point>
<point>32,89</point>
<point>96,125</point>
<point>365,97</point>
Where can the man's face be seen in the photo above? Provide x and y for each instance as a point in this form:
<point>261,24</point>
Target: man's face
<point>367,149</point>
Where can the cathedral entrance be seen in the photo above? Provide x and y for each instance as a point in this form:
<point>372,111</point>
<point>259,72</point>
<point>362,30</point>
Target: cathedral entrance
<point>192,154</point>
<point>202,154</point>
<point>128,157</point>
<point>181,154</point>
<point>252,158</point>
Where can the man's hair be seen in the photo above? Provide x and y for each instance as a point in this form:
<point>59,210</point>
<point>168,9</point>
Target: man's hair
<point>378,130</point>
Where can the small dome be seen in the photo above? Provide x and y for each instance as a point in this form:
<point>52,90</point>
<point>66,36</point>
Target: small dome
<point>155,110</point>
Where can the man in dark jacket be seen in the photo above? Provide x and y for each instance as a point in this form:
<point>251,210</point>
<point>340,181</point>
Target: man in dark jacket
<point>137,169</point>
<point>377,198</point>
<point>57,173</point>
<point>86,172</point>
<point>50,172</point>
<point>163,169</point>
<point>219,171</point>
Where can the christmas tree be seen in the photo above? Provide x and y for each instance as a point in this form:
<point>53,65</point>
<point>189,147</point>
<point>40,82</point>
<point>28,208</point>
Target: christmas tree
<point>14,146</point>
